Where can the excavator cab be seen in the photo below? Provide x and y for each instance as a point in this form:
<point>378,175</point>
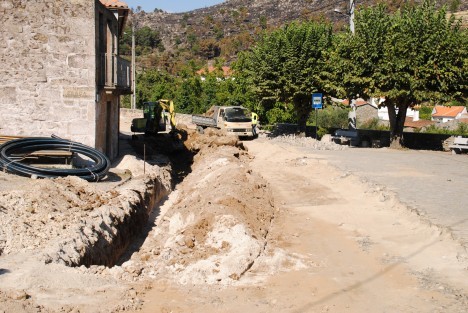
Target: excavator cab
<point>153,119</point>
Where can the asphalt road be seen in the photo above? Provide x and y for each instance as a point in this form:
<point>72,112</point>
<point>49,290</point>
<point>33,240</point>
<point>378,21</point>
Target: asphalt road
<point>433,183</point>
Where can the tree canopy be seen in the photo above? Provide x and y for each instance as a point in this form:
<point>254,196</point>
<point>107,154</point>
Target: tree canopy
<point>146,39</point>
<point>413,55</point>
<point>416,54</point>
<point>287,66</point>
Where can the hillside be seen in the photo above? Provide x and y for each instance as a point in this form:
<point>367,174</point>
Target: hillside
<point>227,28</point>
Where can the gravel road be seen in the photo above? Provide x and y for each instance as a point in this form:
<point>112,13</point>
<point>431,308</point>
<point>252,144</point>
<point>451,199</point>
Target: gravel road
<point>433,183</point>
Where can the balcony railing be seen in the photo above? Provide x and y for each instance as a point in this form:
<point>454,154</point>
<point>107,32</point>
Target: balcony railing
<point>115,72</point>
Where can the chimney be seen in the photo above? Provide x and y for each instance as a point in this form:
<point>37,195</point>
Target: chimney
<point>416,116</point>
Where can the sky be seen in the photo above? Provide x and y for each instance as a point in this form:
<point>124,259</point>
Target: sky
<point>173,6</point>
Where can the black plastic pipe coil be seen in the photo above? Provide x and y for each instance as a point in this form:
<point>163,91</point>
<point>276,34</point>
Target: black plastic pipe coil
<point>25,146</point>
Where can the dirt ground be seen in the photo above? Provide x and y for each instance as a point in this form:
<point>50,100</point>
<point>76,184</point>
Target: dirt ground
<point>256,226</point>
<point>334,244</point>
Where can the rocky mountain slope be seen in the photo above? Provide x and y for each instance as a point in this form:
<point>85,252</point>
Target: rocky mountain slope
<point>227,28</point>
<point>237,20</point>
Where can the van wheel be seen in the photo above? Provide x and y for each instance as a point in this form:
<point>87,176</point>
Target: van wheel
<point>200,130</point>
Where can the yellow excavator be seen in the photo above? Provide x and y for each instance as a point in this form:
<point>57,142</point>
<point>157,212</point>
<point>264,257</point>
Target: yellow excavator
<point>168,106</point>
<point>155,117</point>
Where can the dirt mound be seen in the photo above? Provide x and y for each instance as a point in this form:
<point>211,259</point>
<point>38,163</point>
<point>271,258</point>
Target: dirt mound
<point>211,137</point>
<point>214,226</point>
<point>49,223</point>
<point>49,205</point>
<point>308,142</point>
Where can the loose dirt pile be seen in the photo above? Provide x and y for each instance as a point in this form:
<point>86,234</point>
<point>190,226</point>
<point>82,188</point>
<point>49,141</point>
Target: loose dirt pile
<point>308,142</point>
<point>47,210</point>
<point>211,138</point>
<point>47,224</point>
<point>210,231</point>
<point>216,225</point>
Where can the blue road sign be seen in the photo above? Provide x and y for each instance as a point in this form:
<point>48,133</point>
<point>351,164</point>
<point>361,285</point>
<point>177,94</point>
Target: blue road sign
<point>317,101</point>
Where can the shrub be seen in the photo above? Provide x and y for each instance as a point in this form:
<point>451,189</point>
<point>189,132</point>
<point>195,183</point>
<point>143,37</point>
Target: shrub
<point>374,124</point>
<point>330,117</point>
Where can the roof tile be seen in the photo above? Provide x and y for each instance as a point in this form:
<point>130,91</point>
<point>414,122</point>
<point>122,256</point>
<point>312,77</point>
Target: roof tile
<point>441,111</point>
<point>359,102</point>
<point>417,124</point>
<point>114,4</point>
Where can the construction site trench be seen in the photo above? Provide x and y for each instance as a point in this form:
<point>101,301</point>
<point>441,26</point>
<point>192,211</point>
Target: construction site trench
<point>132,225</point>
<point>209,223</point>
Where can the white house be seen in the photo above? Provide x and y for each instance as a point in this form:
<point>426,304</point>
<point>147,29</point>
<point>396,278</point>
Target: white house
<point>443,114</point>
<point>383,111</point>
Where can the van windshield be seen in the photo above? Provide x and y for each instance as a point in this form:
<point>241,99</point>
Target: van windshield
<point>237,115</point>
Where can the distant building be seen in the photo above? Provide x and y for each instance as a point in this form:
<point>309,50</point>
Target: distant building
<point>414,122</point>
<point>365,110</point>
<point>61,72</point>
<point>443,114</point>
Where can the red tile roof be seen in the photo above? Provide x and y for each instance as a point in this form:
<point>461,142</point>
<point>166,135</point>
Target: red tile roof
<point>441,111</point>
<point>417,124</point>
<point>114,4</point>
<point>359,102</point>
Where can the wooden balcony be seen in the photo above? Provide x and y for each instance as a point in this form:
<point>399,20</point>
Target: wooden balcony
<point>115,74</point>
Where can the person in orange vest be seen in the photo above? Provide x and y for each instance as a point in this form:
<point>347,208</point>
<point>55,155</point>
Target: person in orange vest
<point>254,123</point>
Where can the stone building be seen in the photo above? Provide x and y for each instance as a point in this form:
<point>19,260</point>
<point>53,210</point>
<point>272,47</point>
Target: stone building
<point>60,70</point>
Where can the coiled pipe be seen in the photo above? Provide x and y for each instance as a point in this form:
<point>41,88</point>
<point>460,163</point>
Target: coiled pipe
<point>10,150</point>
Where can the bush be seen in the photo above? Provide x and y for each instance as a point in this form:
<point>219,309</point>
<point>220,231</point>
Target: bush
<point>281,113</point>
<point>425,113</point>
<point>322,131</point>
<point>330,117</point>
<point>374,124</point>
<point>461,130</point>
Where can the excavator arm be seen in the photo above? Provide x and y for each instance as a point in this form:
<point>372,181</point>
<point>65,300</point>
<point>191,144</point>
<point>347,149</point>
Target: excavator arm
<point>168,105</point>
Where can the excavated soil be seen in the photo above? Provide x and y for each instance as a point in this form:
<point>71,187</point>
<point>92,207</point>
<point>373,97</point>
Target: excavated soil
<point>76,235</point>
<point>251,226</point>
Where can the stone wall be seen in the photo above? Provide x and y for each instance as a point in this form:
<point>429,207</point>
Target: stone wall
<point>48,68</point>
<point>365,113</point>
<point>130,113</point>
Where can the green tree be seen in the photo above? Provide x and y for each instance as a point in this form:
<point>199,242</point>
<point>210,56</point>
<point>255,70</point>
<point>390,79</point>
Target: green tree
<point>425,112</point>
<point>146,39</point>
<point>210,88</point>
<point>416,54</point>
<point>153,85</point>
<point>331,117</point>
<point>189,95</point>
<point>126,42</point>
<point>286,66</point>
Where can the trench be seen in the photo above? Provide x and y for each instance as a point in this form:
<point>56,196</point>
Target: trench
<point>181,160</point>
<point>115,233</point>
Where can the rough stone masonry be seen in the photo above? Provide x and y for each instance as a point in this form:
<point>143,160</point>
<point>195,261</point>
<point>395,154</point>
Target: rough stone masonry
<point>50,52</point>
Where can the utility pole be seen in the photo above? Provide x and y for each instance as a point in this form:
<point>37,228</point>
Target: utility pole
<point>349,14</point>
<point>352,116</point>
<point>133,68</point>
